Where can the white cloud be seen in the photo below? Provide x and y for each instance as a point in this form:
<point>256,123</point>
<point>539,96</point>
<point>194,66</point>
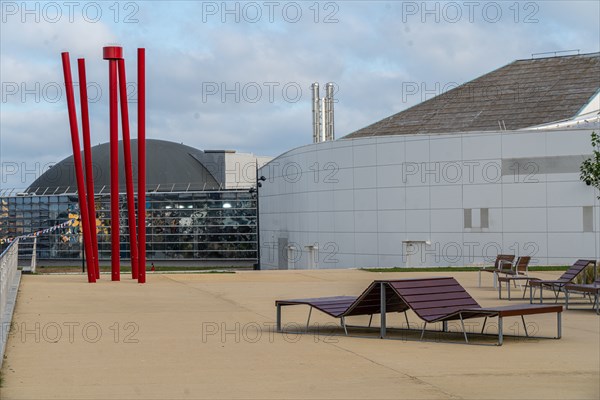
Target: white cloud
<point>370,53</point>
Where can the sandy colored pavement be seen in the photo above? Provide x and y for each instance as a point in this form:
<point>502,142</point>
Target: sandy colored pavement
<point>211,336</point>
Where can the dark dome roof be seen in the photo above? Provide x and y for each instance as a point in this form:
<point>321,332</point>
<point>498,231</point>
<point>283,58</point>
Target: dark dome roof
<point>167,164</point>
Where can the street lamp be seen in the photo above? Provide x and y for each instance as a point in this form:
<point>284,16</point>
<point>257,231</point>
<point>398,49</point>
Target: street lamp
<point>255,194</point>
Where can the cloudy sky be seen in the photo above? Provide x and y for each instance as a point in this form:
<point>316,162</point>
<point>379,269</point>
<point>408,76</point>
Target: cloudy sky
<point>237,75</point>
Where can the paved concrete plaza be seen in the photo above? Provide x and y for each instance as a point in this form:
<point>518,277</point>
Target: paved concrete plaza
<point>211,336</point>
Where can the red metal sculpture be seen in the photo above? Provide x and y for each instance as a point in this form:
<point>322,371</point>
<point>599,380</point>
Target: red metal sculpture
<point>117,83</point>
<point>141,70</point>
<point>83,208</point>
<point>87,155</point>
<point>128,173</point>
<point>112,54</point>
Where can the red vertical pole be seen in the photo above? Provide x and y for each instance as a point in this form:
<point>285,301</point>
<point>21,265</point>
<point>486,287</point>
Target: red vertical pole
<point>133,246</point>
<point>78,167</point>
<point>112,54</point>
<point>87,154</point>
<point>141,70</point>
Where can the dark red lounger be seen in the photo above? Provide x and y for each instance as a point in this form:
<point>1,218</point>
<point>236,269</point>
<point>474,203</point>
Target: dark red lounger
<point>368,303</point>
<point>444,299</point>
<point>432,300</point>
<point>589,289</point>
<point>557,285</point>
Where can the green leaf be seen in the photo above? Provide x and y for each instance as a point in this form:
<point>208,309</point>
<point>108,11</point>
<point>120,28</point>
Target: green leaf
<point>590,168</point>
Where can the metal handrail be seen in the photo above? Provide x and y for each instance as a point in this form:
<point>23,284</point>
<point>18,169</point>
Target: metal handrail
<point>171,187</point>
<point>8,269</point>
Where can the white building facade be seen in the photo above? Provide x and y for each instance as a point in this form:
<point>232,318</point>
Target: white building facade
<point>430,200</point>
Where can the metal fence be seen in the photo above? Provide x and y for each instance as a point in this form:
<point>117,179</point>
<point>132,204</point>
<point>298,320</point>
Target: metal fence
<point>8,270</point>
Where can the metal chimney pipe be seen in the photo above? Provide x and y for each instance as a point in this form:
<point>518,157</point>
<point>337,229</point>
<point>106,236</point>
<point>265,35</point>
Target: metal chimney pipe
<point>316,111</point>
<point>323,119</point>
<point>329,132</point>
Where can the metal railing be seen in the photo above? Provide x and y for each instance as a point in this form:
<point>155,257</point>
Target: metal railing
<point>178,187</point>
<point>8,269</point>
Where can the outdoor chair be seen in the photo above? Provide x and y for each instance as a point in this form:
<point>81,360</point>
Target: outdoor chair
<point>503,262</point>
<point>591,289</point>
<point>557,285</point>
<point>431,299</point>
<point>368,303</point>
<point>520,272</point>
<point>521,267</point>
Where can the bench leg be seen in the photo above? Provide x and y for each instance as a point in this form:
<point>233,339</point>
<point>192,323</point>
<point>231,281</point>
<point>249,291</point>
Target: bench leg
<point>278,317</point>
<point>407,323</point>
<point>525,289</point>
<point>556,294</point>
<point>423,331</point>
<point>524,326</point>
<point>308,320</point>
<point>463,327</point>
<point>515,282</point>
<point>344,325</point>
<point>500,336</point>
<point>530,294</point>
<point>559,325</point>
<point>508,284</point>
<point>566,299</point>
<point>500,290</point>
<point>483,327</point>
<point>370,320</point>
<point>382,304</point>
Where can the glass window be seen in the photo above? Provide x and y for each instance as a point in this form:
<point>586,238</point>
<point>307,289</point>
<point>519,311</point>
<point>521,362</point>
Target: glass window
<point>180,225</point>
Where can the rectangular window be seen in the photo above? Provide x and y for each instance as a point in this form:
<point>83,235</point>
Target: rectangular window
<point>484,214</point>
<point>588,219</point>
<point>468,218</point>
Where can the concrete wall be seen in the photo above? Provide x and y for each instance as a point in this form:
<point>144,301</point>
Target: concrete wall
<point>240,169</point>
<point>231,169</point>
<point>429,200</point>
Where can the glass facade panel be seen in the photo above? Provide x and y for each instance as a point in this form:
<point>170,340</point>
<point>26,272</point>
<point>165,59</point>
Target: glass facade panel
<point>188,225</point>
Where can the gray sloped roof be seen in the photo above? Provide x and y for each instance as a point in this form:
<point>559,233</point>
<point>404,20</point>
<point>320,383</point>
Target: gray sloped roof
<point>167,164</point>
<point>521,94</point>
